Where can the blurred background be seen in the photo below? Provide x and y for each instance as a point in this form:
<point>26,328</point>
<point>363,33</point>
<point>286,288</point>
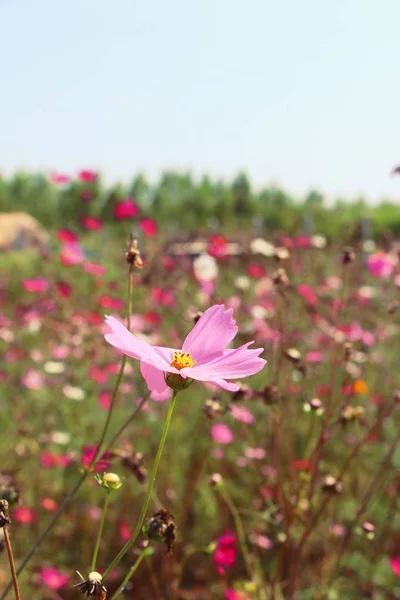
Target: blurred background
<point>280,114</point>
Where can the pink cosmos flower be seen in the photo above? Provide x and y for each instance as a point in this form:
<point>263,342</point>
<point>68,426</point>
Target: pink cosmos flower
<point>126,209</point>
<point>71,254</point>
<point>91,223</point>
<point>59,179</point>
<point>53,578</point>
<point>202,356</point>
<point>87,176</point>
<point>221,433</point>
<point>94,269</point>
<point>36,286</point>
<point>241,413</point>
<point>395,565</point>
<point>88,453</point>
<point>308,294</point>
<point>24,514</point>
<point>230,594</point>
<point>148,226</point>
<point>381,264</point>
<point>225,552</point>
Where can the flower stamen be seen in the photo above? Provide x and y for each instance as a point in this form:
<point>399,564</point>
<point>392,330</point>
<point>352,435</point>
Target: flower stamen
<point>182,360</point>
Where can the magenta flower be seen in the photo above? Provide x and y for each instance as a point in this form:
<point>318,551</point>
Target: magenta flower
<point>87,176</point>
<point>225,552</point>
<point>126,209</point>
<point>148,226</point>
<point>395,565</point>
<point>53,578</point>
<point>381,264</point>
<point>202,356</point>
<point>221,433</point>
<point>36,286</point>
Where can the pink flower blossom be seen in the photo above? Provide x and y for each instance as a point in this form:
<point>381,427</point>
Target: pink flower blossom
<point>308,294</point>
<point>24,514</point>
<point>202,358</point>
<point>241,413</point>
<point>148,226</point>
<point>87,176</point>
<point>66,236</point>
<point>94,269</point>
<point>230,594</point>
<point>92,223</point>
<point>53,578</point>
<point>221,433</point>
<point>59,179</point>
<point>380,264</point>
<point>225,552</point>
<point>64,289</point>
<point>161,397</point>
<point>36,286</point>
<point>88,453</point>
<point>33,380</point>
<point>126,209</point>
<point>71,254</point>
<point>105,399</point>
<point>395,565</point>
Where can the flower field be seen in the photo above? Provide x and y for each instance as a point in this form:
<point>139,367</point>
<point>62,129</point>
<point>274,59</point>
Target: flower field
<point>195,470</point>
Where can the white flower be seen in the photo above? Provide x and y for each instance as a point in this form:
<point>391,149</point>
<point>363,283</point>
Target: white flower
<point>73,393</point>
<point>261,246</point>
<point>205,268</point>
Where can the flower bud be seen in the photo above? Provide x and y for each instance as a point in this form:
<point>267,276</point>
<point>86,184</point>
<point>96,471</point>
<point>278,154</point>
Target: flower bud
<point>215,480</point>
<point>109,481</point>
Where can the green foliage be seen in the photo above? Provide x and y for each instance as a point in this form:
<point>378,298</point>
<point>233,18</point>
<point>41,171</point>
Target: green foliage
<point>178,200</point>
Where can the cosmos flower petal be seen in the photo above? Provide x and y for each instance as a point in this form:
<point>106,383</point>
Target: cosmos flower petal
<point>241,362</point>
<point>155,378</point>
<point>129,344</point>
<point>212,332</point>
<point>226,385</point>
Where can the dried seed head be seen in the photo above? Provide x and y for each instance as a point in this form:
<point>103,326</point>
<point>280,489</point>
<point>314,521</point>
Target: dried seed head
<point>348,256</point>
<point>161,528</point>
<point>280,278</point>
<point>93,586</point>
<point>244,393</point>
<point>4,516</point>
<point>132,254</point>
<point>332,485</point>
<point>270,394</point>
<point>212,408</point>
<point>351,413</point>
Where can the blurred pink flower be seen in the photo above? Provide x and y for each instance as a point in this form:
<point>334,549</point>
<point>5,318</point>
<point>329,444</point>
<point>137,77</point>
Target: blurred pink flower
<point>59,179</point>
<point>109,302</point>
<point>63,288</point>
<point>314,356</point>
<point>49,504</point>
<point>241,413</point>
<point>126,209</point>
<point>307,294</point>
<point>98,374</point>
<point>53,578</point>
<point>94,269</point>
<point>225,552</point>
<point>105,399</point>
<point>124,530</point>
<point>395,565</point>
<point>202,358</point>
<point>33,380</point>
<point>381,264</point>
<point>36,286</point>
<point>148,226</point>
<point>221,433</point>
<point>87,176</point>
<point>91,223</point>
<point>71,254</point>
<point>66,235</point>
<point>255,453</point>
<point>24,514</point>
<point>230,594</point>
<point>88,453</point>
<point>86,195</point>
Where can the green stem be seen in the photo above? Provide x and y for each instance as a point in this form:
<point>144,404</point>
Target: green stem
<point>239,528</point>
<point>146,502</point>
<point>130,573</point>
<point>99,533</point>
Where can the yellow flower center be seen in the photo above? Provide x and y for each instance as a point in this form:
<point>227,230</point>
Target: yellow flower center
<point>182,360</point>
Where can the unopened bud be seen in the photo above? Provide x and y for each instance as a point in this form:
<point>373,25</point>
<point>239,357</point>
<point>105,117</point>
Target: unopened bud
<point>215,480</point>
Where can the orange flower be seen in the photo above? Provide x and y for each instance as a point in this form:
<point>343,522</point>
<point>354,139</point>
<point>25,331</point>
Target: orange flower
<point>360,387</point>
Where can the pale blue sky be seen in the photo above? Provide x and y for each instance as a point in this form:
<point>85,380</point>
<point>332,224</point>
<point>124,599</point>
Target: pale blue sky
<point>304,93</point>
